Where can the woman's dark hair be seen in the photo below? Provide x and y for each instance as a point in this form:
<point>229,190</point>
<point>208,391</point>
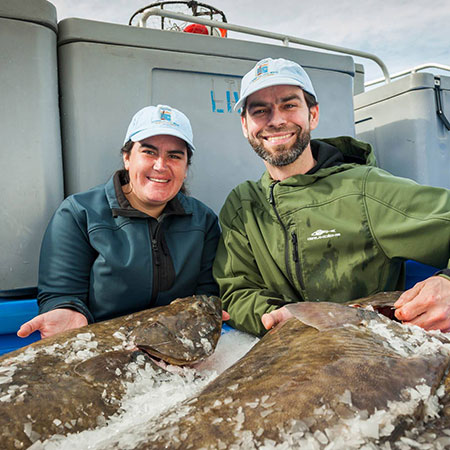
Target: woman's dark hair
<point>127,149</point>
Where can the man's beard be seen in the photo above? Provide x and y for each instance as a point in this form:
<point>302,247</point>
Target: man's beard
<point>282,155</point>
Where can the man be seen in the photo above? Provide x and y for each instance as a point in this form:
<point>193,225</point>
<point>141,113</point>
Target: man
<point>322,223</point>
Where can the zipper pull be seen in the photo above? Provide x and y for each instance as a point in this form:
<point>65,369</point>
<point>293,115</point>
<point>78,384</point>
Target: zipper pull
<point>271,197</point>
<point>155,251</point>
<point>295,246</point>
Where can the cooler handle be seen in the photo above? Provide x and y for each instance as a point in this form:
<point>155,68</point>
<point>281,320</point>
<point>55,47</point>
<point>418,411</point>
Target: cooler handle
<point>439,109</point>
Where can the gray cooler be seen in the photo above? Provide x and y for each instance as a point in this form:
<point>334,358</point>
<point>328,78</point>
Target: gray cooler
<point>400,120</point>
<point>30,145</point>
<point>110,71</point>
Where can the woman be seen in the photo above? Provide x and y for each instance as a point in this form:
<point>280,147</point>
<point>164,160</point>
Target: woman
<point>133,243</point>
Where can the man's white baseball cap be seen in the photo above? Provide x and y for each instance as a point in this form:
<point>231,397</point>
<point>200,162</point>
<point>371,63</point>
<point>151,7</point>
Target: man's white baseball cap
<point>272,72</point>
<point>157,120</point>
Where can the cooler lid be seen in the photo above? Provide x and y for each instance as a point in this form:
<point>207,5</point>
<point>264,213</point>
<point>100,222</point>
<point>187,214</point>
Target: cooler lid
<point>412,82</point>
<point>40,12</point>
<point>82,30</point>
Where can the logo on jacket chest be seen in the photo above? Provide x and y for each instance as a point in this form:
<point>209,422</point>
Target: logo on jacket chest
<point>323,234</point>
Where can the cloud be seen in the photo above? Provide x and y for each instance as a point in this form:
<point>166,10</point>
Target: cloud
<point>117,11</point>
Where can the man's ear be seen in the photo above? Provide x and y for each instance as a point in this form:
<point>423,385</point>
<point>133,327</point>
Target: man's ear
<point>313,117</point>
<point>244,125</point>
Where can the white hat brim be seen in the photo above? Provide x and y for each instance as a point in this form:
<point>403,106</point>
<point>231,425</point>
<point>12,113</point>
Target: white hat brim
<point>268,82</point>
<point>157,131</point>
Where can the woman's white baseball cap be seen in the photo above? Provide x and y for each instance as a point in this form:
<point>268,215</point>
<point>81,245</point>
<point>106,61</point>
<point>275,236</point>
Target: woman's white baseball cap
<point>157,120</point>
<point>272,72</point>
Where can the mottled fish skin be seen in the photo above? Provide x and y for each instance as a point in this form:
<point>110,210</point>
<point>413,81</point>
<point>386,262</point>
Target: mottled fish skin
<point>386,298</point>
<point>437,429</point>
<point>75,380</point>
<point>301,380</point>
<point>181,335</point>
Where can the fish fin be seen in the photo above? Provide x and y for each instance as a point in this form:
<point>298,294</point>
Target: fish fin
<point>327,315</point>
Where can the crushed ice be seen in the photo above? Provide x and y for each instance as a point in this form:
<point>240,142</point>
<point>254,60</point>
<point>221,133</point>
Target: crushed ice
<point>151,394</point>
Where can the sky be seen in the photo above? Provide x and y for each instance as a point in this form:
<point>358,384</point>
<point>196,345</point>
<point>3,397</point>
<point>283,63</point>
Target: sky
<point>402,33</point>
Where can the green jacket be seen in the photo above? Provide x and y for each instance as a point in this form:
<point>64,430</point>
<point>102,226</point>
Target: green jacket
<point>339,233</point>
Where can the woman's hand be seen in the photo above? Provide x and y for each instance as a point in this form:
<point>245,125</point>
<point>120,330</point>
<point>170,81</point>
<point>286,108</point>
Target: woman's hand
<point>53,322</point>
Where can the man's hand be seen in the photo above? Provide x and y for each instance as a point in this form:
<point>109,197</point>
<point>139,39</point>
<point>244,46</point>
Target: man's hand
<point>225,315</point>
<point>275,317</point>
<point>53,322</point>
<point>427,304</point>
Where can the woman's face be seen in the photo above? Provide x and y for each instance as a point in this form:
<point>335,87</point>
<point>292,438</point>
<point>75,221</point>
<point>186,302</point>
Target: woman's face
<point>157,167</point>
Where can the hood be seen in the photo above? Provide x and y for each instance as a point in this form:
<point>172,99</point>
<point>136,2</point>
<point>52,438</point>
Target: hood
<point>354,151</point>
<point>333,155</point>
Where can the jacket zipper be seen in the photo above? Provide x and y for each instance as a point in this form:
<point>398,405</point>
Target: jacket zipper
<point>298,272</point>
<point>156,262</point>
<point>286,239</point>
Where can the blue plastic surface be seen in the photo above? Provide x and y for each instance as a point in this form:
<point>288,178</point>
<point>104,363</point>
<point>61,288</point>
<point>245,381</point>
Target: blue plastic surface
<point>226,328</point>
<point>416,272</point>
<point>13,313</point>
<point>11,342</point>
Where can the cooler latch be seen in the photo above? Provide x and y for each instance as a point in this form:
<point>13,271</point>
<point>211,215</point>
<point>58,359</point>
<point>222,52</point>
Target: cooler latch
<point>439,109</point>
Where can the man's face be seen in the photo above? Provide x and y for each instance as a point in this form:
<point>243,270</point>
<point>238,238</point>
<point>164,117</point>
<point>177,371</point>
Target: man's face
<point>278,123</point>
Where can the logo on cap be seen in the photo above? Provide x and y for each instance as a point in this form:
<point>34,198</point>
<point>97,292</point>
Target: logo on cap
<point>262,69</point>
<point>166,114</point>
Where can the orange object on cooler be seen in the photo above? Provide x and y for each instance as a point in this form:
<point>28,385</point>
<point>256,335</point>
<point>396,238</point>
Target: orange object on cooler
<point>196,28</point>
